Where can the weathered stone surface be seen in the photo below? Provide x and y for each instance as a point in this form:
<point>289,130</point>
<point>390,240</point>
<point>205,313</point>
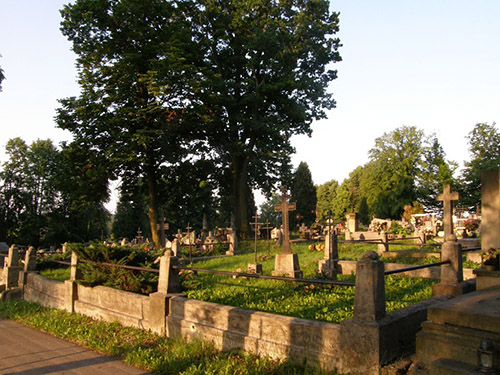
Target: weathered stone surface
<point>288,265</point>
<point>456,327</point>
<point>487,279</point>
<point>46,292</point>
<point>490,210</point>
<point>260,333</point>
<point>369,300</point>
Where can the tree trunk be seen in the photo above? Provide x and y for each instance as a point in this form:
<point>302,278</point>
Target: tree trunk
<point>153,206</point>
<point>240,190</point>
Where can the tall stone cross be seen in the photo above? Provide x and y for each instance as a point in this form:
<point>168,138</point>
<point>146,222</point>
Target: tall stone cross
<point>447,198</point>
<point>256,225</point>
<point>284,208</point>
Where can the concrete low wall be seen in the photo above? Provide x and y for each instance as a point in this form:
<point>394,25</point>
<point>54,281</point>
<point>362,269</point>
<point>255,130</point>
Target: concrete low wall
<point>109,304</point>
<point>277,336</point>
<point>46,292</point>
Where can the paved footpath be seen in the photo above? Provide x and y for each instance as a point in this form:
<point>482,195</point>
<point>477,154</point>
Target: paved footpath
<point>25,351</point>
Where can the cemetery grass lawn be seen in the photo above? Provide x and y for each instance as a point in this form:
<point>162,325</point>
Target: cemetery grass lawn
<point>144,349</point>
<point>57,274</point>
<point>315,302</point>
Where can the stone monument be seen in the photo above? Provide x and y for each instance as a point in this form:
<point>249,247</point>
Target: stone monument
<point>286,263</point>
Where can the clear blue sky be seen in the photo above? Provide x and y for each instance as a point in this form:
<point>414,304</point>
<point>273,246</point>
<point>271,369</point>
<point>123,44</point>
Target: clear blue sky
<point>434,64</point>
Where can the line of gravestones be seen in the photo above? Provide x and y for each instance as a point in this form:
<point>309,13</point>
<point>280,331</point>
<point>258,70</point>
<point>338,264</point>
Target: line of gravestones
<point>286,262</point>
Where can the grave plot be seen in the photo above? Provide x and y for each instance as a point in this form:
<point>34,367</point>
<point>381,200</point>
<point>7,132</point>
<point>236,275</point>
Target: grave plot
<point>298,299</point>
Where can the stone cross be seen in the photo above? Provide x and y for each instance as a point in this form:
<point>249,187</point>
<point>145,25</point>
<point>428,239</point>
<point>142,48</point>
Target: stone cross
<point>139,237</point>
<point>256,231</point>
<point>447,198</point>
<point>188,228</point>
<point>284,208</point>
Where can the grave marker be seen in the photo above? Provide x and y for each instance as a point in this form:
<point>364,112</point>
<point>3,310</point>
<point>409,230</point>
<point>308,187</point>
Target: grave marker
<point>285,207</point>
<point>447,198</point>
<point>286,263</point>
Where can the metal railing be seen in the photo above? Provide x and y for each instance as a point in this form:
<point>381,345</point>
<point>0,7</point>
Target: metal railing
<point>265,277</point>
<point>412,268</point>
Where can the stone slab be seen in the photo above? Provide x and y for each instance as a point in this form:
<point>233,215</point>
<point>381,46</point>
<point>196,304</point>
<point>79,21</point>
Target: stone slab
<point>477,310</point>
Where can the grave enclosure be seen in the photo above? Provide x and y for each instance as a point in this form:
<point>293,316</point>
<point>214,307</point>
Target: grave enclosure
<point>361,345</point>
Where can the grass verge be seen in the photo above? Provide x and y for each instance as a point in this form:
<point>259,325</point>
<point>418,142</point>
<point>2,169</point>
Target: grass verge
<point>144,349</point>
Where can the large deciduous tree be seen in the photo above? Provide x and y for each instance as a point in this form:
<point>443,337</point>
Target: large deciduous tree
<point>264,77</point>
<point>134,67</point>
<point>484,144</point>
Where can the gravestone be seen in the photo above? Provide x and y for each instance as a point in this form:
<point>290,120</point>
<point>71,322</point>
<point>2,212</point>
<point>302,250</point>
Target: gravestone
<point>451,274</point>
<point>286,263</point>
<point>447,197</point>
<point>352,223</point>
<point>255,267</point>
<point>209,242</point>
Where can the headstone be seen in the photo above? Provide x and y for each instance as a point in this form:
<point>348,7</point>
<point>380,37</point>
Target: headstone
<point>176,249</point>
<point>232,239</point>
<point>286,263</point>
<point>448,198</point>
<point>30,260</point>
<point>209,242</point>
<point>255,267</point>
<point>352,223</point>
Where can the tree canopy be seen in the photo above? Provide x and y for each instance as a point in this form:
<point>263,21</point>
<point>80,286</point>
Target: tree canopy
<point>484,145</point>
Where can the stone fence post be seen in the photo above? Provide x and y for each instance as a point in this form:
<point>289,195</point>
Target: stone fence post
<point>71,286</point>
<point>29,266</point>
<point>168,286</point>
<point>384,246</point>
<point>452,273</point>
<point>361,340</point>
<point>11,268</point>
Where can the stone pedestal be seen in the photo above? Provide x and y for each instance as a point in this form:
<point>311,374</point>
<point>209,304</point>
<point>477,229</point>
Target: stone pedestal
<point>158,311</point>
<point>352,223</point>
<point>70,295</point>
<point>384,245</point>
<point>288,265</point>
<point>486,279</point>
<point>451,336</point>
<point>362,338</point>
<point>254,268</point>
<point>11,276</point>
<point>451,274</point>
<point>168,280</point>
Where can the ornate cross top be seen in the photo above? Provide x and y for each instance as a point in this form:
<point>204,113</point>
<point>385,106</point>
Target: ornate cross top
<point>447,198</point>
<point>284,208</point>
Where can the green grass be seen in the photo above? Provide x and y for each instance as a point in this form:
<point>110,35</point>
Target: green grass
<point>329,304</point>
<point>144,349</point>
<point>58,274</point>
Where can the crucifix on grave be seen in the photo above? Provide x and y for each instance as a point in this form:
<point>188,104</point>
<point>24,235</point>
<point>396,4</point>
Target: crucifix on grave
<point>267,229</point>
<point>188,228</point>
<point>447,197</point>
<point>328,265</point>
<point>286,263</point>
<point>285,207</point>
<point>255,267</point>
<point>139,236</point>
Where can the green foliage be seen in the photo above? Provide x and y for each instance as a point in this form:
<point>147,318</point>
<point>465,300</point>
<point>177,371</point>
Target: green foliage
<point>397,228</point>
<point>303,193</point>
<point>45,196</point>
<point>326,195</point>
<point>144,349</point>
<point>484,143</point>
<point>119,278</point>
<point>267,212</point>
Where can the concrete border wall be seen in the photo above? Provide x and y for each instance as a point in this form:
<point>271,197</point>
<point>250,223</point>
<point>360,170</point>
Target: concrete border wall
<point>324,344</point>
<point>46,292</point>
<point>261,333</point>
<point>109,304</point>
